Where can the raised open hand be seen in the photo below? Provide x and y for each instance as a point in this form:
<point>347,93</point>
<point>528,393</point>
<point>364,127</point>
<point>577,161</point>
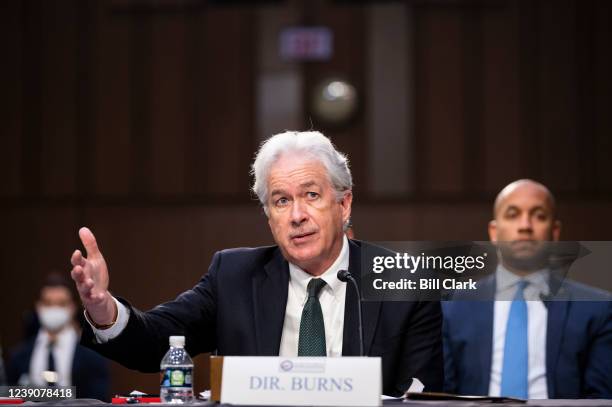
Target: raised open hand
<point>91,277</point>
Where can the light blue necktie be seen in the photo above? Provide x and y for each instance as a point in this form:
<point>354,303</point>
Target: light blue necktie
<point>514,382</point>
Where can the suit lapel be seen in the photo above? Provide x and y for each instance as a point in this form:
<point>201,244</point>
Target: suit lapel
<point>270,301</point>
<point>76,365</point>
<point>370,309</point>
<point>482,317</point>
<point>557,319</point>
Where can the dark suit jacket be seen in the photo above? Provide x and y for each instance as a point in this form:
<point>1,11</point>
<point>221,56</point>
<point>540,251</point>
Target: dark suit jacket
<point>238,308</point>
<point>90,372</point>
<point>578,343</point>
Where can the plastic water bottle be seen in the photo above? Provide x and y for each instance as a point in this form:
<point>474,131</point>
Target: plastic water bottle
<point>177,373</point>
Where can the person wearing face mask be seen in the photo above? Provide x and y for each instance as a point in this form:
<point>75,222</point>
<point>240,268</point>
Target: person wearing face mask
<point>53,357</point>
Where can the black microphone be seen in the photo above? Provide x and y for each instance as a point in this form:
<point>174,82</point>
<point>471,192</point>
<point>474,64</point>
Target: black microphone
<point>345,276</point>
<point>547,298</point>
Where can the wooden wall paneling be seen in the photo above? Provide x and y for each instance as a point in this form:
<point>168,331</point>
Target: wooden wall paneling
<point>389,132</point>
<point>111,67</point>
<point>59,90</point>
<point>585,85</point>
<point>447,221</point>
<point>226,116</point>
<point>576,226</point>
<point>603,96</point>
<point>560,164</point>
<point>223,226</point>
<point>194,89</point>
<point>349,61</point>
<point>86,97</point>
<point>393,222</point>
<point>419,77</point>
<point>501,98</point>
<point>32,98</point>
<point>168,100</point>
<point>154,253</point>
<point>529,79</point>
<point>141,92</point>
<point>572,214</point>
<point>146,251</point>
<point>11,105</point>
<point>439,91</point>
<point>473,70</point>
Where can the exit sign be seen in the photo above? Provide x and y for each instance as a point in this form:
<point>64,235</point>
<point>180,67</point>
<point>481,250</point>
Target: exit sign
<point>306,43</point>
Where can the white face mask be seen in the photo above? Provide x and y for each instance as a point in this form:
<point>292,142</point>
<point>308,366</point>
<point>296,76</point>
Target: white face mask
<point>53,318</point>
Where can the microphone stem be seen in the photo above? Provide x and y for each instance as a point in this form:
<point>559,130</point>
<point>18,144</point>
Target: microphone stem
<point>361,353</point>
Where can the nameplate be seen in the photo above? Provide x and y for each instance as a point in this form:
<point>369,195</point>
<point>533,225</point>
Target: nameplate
<point>342,381</point>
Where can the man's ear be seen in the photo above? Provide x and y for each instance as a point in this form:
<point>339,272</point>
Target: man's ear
<point>556,231</point>
<point>346,202</point>
<point>493,231</point>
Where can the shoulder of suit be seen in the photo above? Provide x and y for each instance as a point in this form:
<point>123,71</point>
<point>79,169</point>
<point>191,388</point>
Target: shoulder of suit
<point>245,258</point>
<point>87,354</point>
<point>240,253</point>
<point>582,292</point>
<point>22,348</point>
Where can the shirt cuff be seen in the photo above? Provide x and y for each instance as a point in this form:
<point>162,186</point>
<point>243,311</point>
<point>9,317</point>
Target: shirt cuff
<point>105,335</point>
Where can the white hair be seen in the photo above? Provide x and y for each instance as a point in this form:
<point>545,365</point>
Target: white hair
<point>309,143</point>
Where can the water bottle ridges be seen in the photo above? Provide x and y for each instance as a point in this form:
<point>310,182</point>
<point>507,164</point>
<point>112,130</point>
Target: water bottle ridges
<point>177,373</point>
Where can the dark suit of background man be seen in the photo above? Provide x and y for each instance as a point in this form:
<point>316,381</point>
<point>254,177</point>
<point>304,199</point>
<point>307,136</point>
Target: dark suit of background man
<point>255,302</point>
<point>520,345</point>
<point>53,356</point>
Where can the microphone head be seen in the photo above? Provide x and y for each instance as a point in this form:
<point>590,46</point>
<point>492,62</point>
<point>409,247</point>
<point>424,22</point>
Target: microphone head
<point>546,297</point>
<point>344,275</point>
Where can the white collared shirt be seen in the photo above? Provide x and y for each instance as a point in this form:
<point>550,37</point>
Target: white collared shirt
<point>332,298</point>
<point>105,335</point>
<point>537,314</point>
<point>63,354</point>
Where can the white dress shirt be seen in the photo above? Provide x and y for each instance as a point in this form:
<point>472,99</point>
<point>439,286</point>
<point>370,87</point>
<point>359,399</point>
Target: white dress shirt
<point>63,354</point>
<point>332,299</point>
<point>105,335</point>
<point>537,318</point>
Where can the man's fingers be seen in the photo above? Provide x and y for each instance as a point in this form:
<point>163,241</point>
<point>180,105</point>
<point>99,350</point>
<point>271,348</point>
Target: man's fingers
<point>89,284</point>
<point>92,298</point>
<point>89,241</point>
<point>78,274</point>
<point>85,269</point>
<point>77,259</point>
<point>86,289</point>
<point>79,277</point>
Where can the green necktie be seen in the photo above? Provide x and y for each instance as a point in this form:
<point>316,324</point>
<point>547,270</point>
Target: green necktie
<point>312,327</point>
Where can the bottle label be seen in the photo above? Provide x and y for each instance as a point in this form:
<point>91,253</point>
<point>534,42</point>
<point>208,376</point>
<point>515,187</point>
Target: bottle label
<point>177,377</point>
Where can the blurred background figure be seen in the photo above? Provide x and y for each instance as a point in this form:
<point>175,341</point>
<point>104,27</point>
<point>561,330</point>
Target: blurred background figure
<point>54,357</point>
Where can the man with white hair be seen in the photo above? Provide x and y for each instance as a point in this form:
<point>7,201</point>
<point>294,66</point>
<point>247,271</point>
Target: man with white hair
<point>281,300</point>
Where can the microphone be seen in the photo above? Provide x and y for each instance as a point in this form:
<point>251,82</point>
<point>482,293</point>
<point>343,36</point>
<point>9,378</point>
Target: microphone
<point>345,276</point>
<point>547,298</point>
